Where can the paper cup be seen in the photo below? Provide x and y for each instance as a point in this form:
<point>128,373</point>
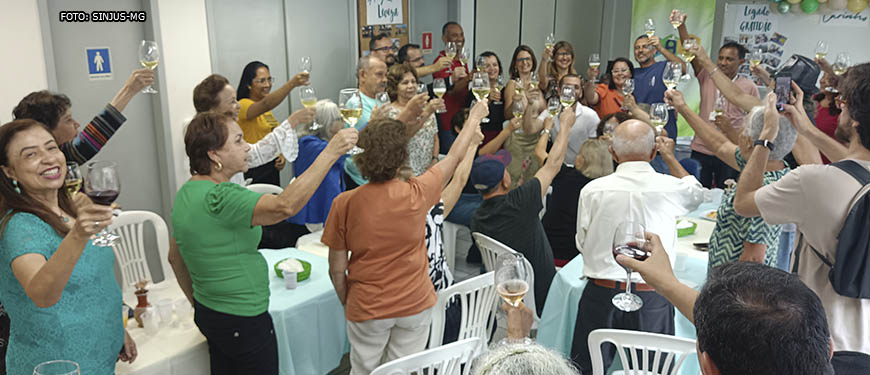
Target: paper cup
<point>290,280</point>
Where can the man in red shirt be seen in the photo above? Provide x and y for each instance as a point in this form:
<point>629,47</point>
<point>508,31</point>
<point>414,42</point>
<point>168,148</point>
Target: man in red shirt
<point>457,83</point>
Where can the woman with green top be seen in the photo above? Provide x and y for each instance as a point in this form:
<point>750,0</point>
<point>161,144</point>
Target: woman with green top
<point>216,226</point>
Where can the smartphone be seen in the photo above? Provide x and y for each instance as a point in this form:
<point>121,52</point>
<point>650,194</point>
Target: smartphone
<point>783,91</point>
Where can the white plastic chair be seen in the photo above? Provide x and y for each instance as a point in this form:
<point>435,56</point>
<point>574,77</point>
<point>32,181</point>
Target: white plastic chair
<point>265,188</point>
<point>489,250</point>
<point>665,350</point>
<point>445,360</point>
<point>477,297</point>
<point>450,233</point>
<point>130,248</point>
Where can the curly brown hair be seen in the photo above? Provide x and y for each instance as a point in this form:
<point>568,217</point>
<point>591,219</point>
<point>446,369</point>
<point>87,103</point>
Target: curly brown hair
<point>206,92</point>
<point>395,75</point>
<point>386,150</point>
<point>43,106</point>
<point>206,132</point>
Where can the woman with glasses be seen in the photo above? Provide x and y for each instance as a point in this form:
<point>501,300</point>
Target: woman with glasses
<point>606,98</point>
<point>256,101</point>
<point>523,63</point>
<point>562,63</point>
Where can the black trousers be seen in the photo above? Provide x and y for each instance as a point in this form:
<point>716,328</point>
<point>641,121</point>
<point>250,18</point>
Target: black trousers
<point>714,170</point>
<point>597,311</point>
<point>238,344</point>
<point>265,174</point>
<point>4,338</point>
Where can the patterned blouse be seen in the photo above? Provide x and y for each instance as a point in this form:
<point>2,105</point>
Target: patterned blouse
<point>732,230</point>
<point>438,270</point>
<point>421,145</point>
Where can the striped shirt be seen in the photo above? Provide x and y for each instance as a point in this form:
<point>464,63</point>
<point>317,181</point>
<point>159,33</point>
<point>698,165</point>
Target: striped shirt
<point>88,142</point>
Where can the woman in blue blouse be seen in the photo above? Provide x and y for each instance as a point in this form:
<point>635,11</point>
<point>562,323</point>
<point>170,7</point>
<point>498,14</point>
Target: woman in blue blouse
<point>57,286</point>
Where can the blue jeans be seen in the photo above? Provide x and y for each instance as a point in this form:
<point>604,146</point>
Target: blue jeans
<point>786,246</point>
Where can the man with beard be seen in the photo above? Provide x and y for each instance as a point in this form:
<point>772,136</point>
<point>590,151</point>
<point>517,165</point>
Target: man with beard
<point>381,46</point>
<point>648,85</point>
<point>412,54</point>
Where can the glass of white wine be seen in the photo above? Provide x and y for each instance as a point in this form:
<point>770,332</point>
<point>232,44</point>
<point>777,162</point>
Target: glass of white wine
<point>671,76</point>
<point>510,278</point>
<point>308,97</point>
<point>73,180</point>
<point>675,18</point>
<point>842,63</point>
<point>463,56</point>
<point>685,52</point>
<point>518,109</point>
<point>305,64</point>
<point>627,89</point>
<point>480,63</point>
<point>149,57</point>
<point>439,88</point>
<point>534,81</point>
<point>658,116</point>
<point>550,42</point>
<point>553,105</point>
<point>821,50</point>
<point>718,107</point>
<point>350,106</point>
<point>450,52</point>
<point>567,96</point>
<point>594,63</point>
<point>480,88</point>
<point>383,98</point>
<point>755,57</point>
<point>518,86</point>
<point>649,27</point>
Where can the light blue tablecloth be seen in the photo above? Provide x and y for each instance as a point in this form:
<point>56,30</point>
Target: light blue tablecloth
<point>556,328</point>
<point>309,320</point>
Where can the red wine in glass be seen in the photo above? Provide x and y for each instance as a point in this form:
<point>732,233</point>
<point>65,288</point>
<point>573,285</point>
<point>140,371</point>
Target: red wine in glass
<point>103,197</point>
<point>102,185</point>
<point>629,239</point>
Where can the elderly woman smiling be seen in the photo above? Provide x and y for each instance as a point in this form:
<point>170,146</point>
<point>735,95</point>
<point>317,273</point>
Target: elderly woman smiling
<point>222,273</point>
<point>58,287</point>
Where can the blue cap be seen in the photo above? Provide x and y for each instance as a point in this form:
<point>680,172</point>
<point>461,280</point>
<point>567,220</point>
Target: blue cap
<point>488,170</point>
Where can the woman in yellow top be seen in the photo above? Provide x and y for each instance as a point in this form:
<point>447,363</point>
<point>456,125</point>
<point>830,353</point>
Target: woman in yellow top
<point>255,115</point>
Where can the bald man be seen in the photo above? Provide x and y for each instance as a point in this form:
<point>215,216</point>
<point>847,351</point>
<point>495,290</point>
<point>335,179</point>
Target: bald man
<point>636,193</point>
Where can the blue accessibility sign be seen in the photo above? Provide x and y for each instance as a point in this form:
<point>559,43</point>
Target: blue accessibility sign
<point>99,63</point>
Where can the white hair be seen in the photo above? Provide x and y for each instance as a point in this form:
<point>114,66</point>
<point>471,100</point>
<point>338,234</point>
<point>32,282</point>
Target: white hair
<point>522,358</point>
<point>785,138</point>
<point>634,145</point>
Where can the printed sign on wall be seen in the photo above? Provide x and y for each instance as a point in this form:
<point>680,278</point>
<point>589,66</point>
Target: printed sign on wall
<point>383,12</point>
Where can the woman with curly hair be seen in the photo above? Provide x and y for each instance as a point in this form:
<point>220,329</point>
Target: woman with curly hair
<point>385,285</point>
<point>423,146</point>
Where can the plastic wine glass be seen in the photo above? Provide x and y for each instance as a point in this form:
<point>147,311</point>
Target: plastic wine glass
<point>149,57</point>
<point>73,180</point>
<point>594,63</point>
<point>480,88</point>
<point>102,185</point>
<point>649,27</point>
<point>305,64</point>
<point>510,278</point>
<point>308,97</point>
<point>350,106</point>
<point>550,42</point>
<point>57,367</point>
<point>518,109</point>
<point>658,115</point>
<point>627,89</point>
<point>629,240</point>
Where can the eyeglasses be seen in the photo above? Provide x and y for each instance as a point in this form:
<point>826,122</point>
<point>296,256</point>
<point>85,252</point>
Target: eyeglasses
<point>524,59</point>
<point>416,59</point>
<point>563,53</point>
<point>386,49</point>
<point>264,80</point>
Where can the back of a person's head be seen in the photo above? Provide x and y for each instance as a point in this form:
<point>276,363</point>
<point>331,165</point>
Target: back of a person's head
<point>855,88</point>
<point>633,140</point>
<point>43,106</point>
<point>206,92</point>
<point>754,319</point>
<point>522,358</point>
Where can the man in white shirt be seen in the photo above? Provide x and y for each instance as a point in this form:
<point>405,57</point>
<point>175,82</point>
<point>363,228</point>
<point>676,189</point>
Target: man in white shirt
<point>585,120</point>
<point>634,192</point>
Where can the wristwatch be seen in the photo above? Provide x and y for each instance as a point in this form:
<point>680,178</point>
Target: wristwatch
<point>546,131</point>
<point>763,142</point>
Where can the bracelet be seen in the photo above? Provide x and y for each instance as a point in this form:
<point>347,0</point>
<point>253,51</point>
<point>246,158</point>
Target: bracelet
<point>764,143</point>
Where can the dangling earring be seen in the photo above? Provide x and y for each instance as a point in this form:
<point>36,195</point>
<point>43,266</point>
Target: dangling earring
<point>219,166</point>
<point>15,186</point>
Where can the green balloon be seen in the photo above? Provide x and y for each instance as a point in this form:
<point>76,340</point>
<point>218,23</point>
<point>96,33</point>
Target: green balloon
<point>809,6</point>
<point>784,7</point>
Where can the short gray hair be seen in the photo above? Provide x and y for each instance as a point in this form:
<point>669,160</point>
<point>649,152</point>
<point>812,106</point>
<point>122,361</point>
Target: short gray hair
<point>642,145</point>
<point>522,358</point>
<point>326,114</point>
<point>365,63</point>
<point>782,145</point>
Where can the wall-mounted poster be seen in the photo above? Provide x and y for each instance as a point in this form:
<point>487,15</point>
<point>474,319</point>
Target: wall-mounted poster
<point>382,16</point>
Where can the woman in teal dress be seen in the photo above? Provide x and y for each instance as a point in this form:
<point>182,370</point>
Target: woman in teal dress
<point>56,285</point>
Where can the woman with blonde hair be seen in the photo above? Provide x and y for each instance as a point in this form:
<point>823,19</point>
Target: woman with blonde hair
<point>560,221</point>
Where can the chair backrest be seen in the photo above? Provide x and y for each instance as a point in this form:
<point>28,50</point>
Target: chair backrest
<point>445,360</point>
<point>643,349</point>
<point>265,188</point>
<point>477,298</point>
<point>130,248</point>
<point>489,250</point>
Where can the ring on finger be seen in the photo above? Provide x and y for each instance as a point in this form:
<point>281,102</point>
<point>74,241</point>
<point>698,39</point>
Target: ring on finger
<point>96,224</point>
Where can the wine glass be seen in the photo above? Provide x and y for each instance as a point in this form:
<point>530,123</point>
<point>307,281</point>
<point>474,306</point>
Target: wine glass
<point>550,42</point>
<point>480,88</point>
<point>534,81</point>
<point>450,52</point>
<point>755,57</point>
<point>57,367</point>
<point>439,88</point>
<point>821,50</point>
<point>629,240</point>
<point>718,107</point>
<point>102,185</point>
<point>463,56</point>
<point>594,63</point>
<point>308,97</point>
<point>480,63</point>
<point>149,57</point>
<point>518,109</point>
<point>518,86</point>
<point>685,53</point>
<point>73,180</point>
<point>350,106</point>
<point>675,18</point>
<point>553,105</point>
<point>305,64</point>
<point>383,98</point>
<point>627,89</point>
<point>671,76</point>
<point>649,27</point>
<point>658,116</point>
<point>499,85</point>
<point>567,96</point>
<point>842,63</point>
<point>510,278</point>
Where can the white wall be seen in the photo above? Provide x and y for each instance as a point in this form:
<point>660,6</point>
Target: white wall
<point>24,58</point>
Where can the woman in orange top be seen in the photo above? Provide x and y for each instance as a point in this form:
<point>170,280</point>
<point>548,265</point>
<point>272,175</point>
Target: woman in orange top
<point>606,98</point>
<point>257,100</point>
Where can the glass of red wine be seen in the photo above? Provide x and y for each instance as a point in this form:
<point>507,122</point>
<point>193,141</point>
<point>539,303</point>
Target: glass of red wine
<point>102,185</point>
<point>629,240</point>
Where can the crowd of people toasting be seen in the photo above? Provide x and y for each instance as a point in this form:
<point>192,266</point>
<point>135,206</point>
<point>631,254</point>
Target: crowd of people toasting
<point>381,169</point>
